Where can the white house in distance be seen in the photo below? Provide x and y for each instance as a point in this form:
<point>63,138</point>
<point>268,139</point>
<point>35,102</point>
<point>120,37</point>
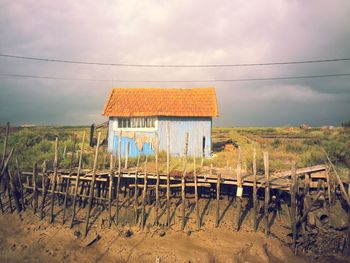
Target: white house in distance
<point>142,114</point>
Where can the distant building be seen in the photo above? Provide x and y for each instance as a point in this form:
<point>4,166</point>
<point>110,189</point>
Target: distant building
<point>141,114</point>
<point>27,125</point>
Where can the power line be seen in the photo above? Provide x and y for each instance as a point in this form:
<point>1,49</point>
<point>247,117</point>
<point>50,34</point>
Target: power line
<point>174,65</point>
<point>174,81</point>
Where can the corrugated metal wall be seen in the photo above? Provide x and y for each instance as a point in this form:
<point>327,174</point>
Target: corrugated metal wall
<point>199,140</point>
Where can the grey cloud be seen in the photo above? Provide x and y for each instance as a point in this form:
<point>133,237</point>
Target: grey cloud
<point>177,32</point>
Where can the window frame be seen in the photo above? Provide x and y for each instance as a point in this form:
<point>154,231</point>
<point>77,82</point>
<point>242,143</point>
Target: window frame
<point>135,123</point>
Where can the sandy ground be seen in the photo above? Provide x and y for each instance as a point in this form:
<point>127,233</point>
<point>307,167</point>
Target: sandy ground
<point>26,238</point>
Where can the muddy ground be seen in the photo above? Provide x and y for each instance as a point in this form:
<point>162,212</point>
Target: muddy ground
<point>26,238</point>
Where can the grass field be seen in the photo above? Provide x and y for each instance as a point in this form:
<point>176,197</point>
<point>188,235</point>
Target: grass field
<point>283,144</point>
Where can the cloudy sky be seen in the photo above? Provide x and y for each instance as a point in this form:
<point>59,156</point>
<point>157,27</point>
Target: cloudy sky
<point>176,32</point>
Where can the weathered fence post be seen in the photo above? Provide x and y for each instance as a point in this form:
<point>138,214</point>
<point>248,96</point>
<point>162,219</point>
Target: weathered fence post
<point>5,144</point>
<point>111,181</point>
<point>157,182</point>
<point>136,192</point>
<point>53,190</point>
<point>77,180</point>
<point>239,192</point>
<point>119,177</point>
<point>144,195</point>
<point>267,193</point>
<point>168,174</point>
<point>196,192</point>
<point>293,200</point>
<point>183,184</point>
<point>91,192</point>
<point>255,196</point>
<point>217,218</point>
<point>44,185</point>
<point>127,155</point>
<point>35,188</point>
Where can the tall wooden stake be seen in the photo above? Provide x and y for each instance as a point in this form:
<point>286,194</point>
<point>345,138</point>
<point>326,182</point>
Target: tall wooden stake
<point>239,192</point>
<point>328,187</point>
<point>111,181</point>
<point>196,192</point>
<point>91,192</point>
<point>157,182</point>
<point>348,238</point>
<point>342,188</point>
<point>267,193</point>
<point>35,188</point>
<point>44,185</point>
<point>255,196</point>
<point>20,184</point>
<point>126,155</point>
<point>53,190</point>
<point>217,200</point>
<point>68,181</point>
<point>77,181</point>
<point>293,202</point>
<point>136,192</point>
<point>183,184</point>
<point>168,174</point>
<point>73,154</point>
<point>144,195</point>
<point>5,145</point>
<point>119,178</point>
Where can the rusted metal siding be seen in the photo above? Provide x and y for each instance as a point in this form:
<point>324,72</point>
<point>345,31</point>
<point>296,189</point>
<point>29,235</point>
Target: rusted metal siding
<point>199,139</point>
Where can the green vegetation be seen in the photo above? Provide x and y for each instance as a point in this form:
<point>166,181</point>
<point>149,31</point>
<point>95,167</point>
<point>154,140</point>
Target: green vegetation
<point>284,145</point>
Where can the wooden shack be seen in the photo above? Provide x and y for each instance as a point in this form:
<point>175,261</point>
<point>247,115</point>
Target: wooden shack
<point>145,116</point>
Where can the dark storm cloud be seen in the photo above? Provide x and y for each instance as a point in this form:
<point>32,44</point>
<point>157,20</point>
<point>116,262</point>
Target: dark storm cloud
<point>177,32</point>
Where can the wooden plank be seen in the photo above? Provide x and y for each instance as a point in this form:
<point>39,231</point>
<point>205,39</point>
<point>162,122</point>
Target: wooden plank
<point>92,185</point>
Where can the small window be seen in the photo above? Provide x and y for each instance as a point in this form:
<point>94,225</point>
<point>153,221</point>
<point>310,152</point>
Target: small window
<point>148,122</point>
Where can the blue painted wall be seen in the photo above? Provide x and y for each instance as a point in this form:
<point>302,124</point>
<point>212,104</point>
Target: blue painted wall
<point>198,128</point>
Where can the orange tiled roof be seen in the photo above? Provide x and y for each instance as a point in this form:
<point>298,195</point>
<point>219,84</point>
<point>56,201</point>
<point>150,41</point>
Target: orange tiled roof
<point>127,102</point>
